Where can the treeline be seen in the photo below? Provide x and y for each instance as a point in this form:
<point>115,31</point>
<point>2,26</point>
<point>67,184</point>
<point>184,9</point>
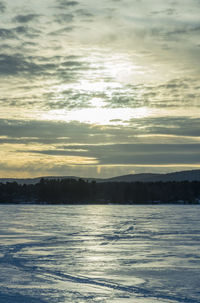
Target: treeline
<point>66,191</point>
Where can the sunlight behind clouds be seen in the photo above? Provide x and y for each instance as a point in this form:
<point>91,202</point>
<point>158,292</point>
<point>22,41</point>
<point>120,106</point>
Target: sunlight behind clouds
<point>98,115</point>
<point>102,72</point>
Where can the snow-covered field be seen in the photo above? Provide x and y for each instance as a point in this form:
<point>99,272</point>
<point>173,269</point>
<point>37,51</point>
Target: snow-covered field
<point>111,253</point>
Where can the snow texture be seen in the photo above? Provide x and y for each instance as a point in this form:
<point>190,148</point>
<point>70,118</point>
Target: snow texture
<point>108,253</point>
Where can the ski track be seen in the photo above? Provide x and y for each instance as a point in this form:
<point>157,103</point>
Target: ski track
<point>11,259</point>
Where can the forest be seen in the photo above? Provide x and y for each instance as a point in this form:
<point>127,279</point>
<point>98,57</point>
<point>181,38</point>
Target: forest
<point>72,191</point>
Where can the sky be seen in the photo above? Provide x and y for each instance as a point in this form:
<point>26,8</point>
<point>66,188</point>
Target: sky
<point>99,88</point>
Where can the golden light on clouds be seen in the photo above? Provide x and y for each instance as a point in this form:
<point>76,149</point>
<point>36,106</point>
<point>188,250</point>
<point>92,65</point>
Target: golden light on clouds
<point>101,116</point>
<point>119,80</point>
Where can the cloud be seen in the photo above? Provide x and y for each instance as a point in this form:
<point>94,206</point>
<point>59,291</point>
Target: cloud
<point>2,7</point>
<point>57,67</point>
<point>76,132</point>
<point>14,64</point>
<point>54,141</point>
<point>150,154</point>
<point>64,18</point>
<point>184,91</point>
<point>7,34</point>
<point>177,126</point>
<point>169,11</point>
<point>138,154</point>
<point>17,64</point>
<point>71,69</point>
<point>184,30</point>
<point>103,58</point>
<point>66,3</point>
<point>62,31</point>
<point>84,13</point>
<point>16,32</point>
<point>46,129</point>
<point>25,18</point>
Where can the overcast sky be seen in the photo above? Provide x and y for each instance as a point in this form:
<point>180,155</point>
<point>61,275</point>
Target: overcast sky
<point>99,88</point>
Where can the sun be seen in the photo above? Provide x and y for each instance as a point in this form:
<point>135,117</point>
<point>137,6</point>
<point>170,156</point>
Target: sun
<point>95,91</point>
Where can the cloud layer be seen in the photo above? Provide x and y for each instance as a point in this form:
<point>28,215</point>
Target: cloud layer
<point>90,84</point>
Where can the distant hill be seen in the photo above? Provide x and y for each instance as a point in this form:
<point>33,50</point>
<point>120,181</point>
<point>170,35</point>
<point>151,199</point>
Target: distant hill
<point>190,175</point>
<point>135,178</point>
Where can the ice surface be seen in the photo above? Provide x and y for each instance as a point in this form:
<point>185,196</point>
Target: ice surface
<point>108,253</point>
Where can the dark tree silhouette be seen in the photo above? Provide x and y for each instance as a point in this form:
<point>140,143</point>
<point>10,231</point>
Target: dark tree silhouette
<point>65,191</point>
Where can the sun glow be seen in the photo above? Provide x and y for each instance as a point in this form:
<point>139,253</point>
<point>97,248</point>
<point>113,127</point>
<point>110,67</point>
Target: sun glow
<point>98,102</point>
<point>98,115</point>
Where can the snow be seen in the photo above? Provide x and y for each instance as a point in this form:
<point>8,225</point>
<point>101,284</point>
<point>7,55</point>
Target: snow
<point>106,253</point>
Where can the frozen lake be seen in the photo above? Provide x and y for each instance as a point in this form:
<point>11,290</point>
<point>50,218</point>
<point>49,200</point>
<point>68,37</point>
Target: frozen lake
<point>111,253</point>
